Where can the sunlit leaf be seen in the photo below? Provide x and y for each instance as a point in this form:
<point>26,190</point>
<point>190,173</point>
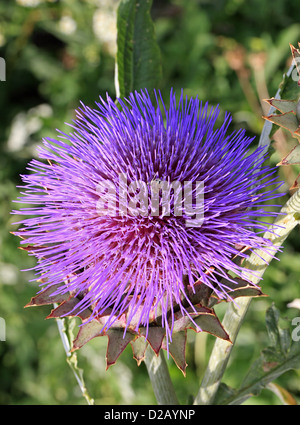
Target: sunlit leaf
<point>280,356</point>
<point>138,56</point>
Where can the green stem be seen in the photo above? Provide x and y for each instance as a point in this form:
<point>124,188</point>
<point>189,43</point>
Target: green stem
<point>160,379</point>
<point>257,262</point>
<point>72,359</point>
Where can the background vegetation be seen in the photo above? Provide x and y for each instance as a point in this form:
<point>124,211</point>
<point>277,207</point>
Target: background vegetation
<point>232,53</point>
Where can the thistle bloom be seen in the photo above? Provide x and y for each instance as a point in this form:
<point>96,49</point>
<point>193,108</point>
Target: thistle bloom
<point>105,229</point>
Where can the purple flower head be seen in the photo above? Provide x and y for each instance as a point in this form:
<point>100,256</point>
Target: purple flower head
<point>139,202</point>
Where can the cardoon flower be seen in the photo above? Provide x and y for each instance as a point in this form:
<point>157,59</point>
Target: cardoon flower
<point>140,218</point>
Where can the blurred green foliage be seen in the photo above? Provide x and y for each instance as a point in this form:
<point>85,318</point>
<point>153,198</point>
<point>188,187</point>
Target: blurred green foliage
<point>57,53</point>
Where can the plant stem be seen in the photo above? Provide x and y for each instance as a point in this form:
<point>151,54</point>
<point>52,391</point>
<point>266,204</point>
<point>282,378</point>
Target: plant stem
<point>72,359</point>
<point>257,262</point>
<point>160,378</point>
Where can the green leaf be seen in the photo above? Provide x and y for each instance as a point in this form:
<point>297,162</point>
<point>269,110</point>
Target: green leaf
<point>117,342</point>
<point>283,106</point>
<point>292,158</point>
<point>289,89</point>
<point>45,297</point>
<point>87,331</point>
<point>177,350</point>
<point>68,308</point>
<point>241,288</point>
<point>296,56</point>
<point>281,356</point>
<point>139,346</point>
<point>211,324</point>
<point>155,336</point>
<point>282,394</point>
<point>138,55</point>
<point>287,120</point>
<point>279,338</point>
